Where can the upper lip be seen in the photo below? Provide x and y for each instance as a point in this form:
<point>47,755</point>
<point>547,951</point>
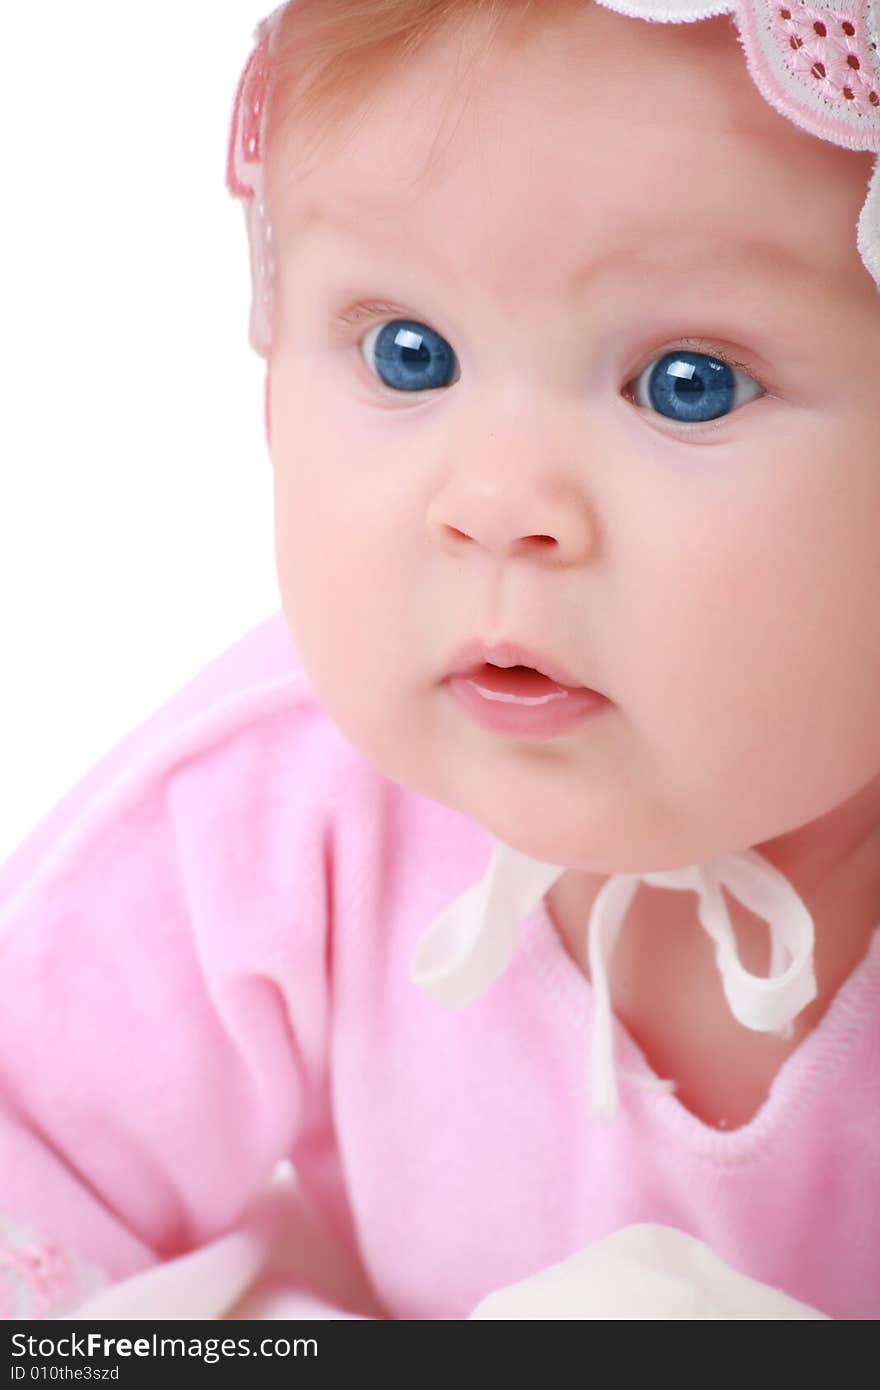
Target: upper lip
<point>474,654</point>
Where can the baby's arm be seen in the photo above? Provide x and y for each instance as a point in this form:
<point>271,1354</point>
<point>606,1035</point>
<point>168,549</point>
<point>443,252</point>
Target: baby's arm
<point>163,1007</point>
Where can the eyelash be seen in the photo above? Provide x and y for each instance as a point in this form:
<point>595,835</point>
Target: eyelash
<point>372,311</point>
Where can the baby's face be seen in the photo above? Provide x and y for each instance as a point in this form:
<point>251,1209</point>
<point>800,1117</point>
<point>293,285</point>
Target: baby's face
<point>549,483</point>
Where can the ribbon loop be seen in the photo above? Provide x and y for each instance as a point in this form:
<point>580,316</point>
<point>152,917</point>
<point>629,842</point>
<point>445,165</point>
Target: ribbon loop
<point>472,941</point>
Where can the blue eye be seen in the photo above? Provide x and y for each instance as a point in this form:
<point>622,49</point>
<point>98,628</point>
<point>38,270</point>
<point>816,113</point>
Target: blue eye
<point>409,356</point>
<point>690,387</point>
<point>685,386</point>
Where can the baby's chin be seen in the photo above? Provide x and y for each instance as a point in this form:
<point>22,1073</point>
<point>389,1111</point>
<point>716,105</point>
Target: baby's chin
<point>541,807</point>
<point>599,840</point>
<point>618,828</point>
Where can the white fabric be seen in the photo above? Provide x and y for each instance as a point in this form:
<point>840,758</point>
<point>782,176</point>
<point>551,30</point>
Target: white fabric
<point>642,1273</point>
<point>474,938</point>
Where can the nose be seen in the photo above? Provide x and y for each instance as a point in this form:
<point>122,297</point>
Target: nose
<point>511,500</point>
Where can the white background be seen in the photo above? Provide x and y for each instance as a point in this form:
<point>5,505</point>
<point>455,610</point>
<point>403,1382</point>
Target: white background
<point>135,483</point>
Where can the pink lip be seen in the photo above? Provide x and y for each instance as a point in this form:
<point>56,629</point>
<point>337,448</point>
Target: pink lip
<point>523,706</point>
<point>469,658</point>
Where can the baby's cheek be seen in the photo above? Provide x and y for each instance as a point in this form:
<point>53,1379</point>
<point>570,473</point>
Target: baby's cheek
<point>328,580</point>
<point>769,662</point>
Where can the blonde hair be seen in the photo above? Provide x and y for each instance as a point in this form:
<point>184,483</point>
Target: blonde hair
<point>331,55</point>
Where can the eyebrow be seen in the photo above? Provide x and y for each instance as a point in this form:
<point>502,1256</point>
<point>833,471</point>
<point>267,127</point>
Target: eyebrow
<point>757,256</point>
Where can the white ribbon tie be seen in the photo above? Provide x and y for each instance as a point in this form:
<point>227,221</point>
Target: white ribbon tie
<point>471,942</point>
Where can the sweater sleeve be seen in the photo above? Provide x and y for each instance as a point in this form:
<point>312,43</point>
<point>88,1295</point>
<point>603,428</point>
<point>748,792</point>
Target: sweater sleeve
<point>163,996</point>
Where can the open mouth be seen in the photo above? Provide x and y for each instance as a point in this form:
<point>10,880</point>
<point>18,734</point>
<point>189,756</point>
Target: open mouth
<point>521,702</point>
<point>516,684</point>
<point>511,668</point>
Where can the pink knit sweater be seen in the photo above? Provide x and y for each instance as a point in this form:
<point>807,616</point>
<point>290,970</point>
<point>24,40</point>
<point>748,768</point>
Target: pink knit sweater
<point>204,968</point>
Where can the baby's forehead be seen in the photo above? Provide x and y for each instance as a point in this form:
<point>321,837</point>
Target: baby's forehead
<point>469,230</point>
<point>547,144</point>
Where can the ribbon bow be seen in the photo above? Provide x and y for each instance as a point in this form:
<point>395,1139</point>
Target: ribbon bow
<point>471,942</point>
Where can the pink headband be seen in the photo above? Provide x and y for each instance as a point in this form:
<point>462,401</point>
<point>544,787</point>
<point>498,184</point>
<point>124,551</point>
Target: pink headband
<point>817,64</point>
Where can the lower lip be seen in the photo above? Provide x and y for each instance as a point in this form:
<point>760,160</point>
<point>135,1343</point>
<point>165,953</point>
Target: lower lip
<point>545,711</point>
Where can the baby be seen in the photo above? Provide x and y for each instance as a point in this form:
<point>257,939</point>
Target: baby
<point>573,414</point>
